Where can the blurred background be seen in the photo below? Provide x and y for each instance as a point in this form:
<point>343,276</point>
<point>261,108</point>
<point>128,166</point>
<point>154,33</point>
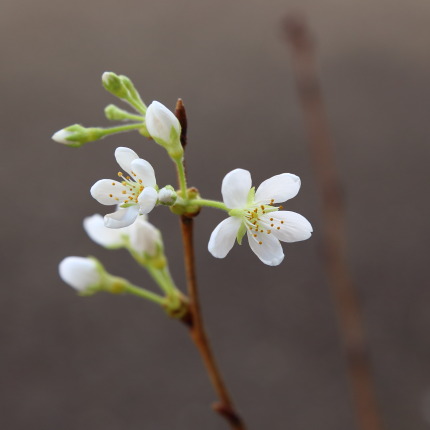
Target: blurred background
<point>113,363</point>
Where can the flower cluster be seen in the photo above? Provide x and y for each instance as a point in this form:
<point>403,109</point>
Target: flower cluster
<point>251,211</point>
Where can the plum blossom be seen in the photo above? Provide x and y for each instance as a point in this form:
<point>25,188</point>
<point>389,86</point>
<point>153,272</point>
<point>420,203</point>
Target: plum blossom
<point>136,193</point>
<point>141,236</point>
<point>253,212</point>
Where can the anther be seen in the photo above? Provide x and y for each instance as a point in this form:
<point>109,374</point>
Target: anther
<point>254,235</point>
<point>124,192</point>
<point>278,228</point>
<point>271,225</point>
<point>260,243</point>
<point>282,222</point>
<point>110,195</point>
<point>271,219</point>
<point>269,231</point>
<point>120,174</point>
<point>113,183</point>
<point>281,207</point>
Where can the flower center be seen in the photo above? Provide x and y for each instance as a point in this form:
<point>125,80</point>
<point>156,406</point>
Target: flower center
<point>132,189</point>
<point>258,221</point>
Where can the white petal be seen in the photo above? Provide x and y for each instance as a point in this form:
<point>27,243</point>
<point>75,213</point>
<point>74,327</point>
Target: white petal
<point>124,157</point>
<point>122,217</point>
<point>144,237</point>
<point>223,237</point>
<point>108,191</point>
<point>79,272</point>
<point>144,171</point>
<point>292,226</point>
<point>269,251</point>
<point>99,233</point>
<point>279,188</point>
<point>235,188</point>
<point>159,122</point>
<point>147,200</point>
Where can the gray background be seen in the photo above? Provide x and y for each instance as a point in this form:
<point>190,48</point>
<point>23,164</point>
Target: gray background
<point>117,362</point>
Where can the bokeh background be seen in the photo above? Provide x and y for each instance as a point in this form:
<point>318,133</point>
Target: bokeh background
<point>117,362</point>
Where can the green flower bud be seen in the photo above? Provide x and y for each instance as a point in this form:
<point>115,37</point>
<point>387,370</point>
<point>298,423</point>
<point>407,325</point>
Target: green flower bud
<point>113,83</point>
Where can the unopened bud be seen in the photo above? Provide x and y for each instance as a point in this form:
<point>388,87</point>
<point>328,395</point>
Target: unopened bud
<point>81,273</point>
<point>167,196</point>
<point>76,135</point>
<point>112,83</point>
<point>164,128</point>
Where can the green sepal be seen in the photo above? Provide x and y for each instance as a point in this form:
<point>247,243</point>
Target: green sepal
<point>241,232</point>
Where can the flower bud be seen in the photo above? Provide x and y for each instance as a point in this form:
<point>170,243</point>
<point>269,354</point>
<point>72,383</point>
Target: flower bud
<point>111,238</point>
<point>83,274</point>
<point>76,135</point>
<point>114,85</point>
<point>114,113</point>
<point>164,128</point>
<point>144,238</point>
<point>167,196</point>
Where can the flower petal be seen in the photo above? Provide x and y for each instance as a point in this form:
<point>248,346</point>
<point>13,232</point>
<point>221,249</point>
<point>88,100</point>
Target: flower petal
<point>144,237</point>
<point>267,248</point>
<point>108,191</point>
<point>223,237</point>
<point>99,233</point>
<point>279,188</point>
<point>122,217</point>
<point>293,227</point>
<point>235,188</point>
<point>143,171</point>
<point>124,157</point>
<point>147,200</point>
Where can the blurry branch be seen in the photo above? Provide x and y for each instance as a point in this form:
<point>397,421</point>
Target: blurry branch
<point>333,211</point>
<point>224,406</point>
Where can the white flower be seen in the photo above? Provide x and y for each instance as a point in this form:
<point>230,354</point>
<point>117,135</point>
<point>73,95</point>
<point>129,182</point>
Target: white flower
<point>80,273</point>
<point>135,194</point>
<point>253,212</point>
<point>141,236</point>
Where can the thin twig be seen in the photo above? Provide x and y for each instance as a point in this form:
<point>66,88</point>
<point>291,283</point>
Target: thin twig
<point>333,210</point>
<point>198,334</point>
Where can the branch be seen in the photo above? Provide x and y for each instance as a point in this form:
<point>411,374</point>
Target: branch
<point>198,334</point>
<point>333,210</point>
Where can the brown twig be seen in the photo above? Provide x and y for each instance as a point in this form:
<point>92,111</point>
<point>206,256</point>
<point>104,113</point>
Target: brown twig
<point>333,211</point>
<point>198,334</point>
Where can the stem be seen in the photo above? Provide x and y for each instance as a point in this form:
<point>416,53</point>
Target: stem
<point>141,292</point>
<point>182,178</point>
<point>198,334</point>
<point>333,209</point>
<point>121,128</point>
<point>161,279</point>
<point>211,203</point>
